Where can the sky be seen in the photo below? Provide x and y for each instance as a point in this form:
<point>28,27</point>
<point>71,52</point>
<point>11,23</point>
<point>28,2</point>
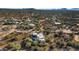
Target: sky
<point>39,4</point>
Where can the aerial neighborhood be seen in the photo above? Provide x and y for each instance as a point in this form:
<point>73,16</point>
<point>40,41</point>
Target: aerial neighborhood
<point>39,30</point>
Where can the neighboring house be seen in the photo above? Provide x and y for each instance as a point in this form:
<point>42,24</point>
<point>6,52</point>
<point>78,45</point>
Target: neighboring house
<point>0,38</point>
<point>76,38</point>
<point>67,31</point>
<point>57,23</point>
<point>32,25</point>
<point>77,24</point>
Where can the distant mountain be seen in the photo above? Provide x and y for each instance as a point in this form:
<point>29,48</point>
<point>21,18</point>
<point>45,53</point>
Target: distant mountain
<point>74,9</point>
<point>39,9</point>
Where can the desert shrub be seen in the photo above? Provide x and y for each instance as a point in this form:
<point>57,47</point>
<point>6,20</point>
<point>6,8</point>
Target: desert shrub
<point>20,37</point>
<point>10,36</point>
<point>28,40</point>
<point>15,45</point>
<point>34,48</point>
<point>35,43</point>
<point>76,45</point>
<point>28,44</point>
<point>69,43</point>
<point>23,44</point>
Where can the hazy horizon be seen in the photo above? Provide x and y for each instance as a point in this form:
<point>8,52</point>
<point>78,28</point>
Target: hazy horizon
<point>39,4</point>
<point>41,8</point>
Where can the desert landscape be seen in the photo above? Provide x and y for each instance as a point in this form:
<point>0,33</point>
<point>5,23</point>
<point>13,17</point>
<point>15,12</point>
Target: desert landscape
<point>39,30</point>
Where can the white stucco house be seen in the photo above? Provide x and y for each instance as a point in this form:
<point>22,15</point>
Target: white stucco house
<point>41,37</point>
<point>38,36</point>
